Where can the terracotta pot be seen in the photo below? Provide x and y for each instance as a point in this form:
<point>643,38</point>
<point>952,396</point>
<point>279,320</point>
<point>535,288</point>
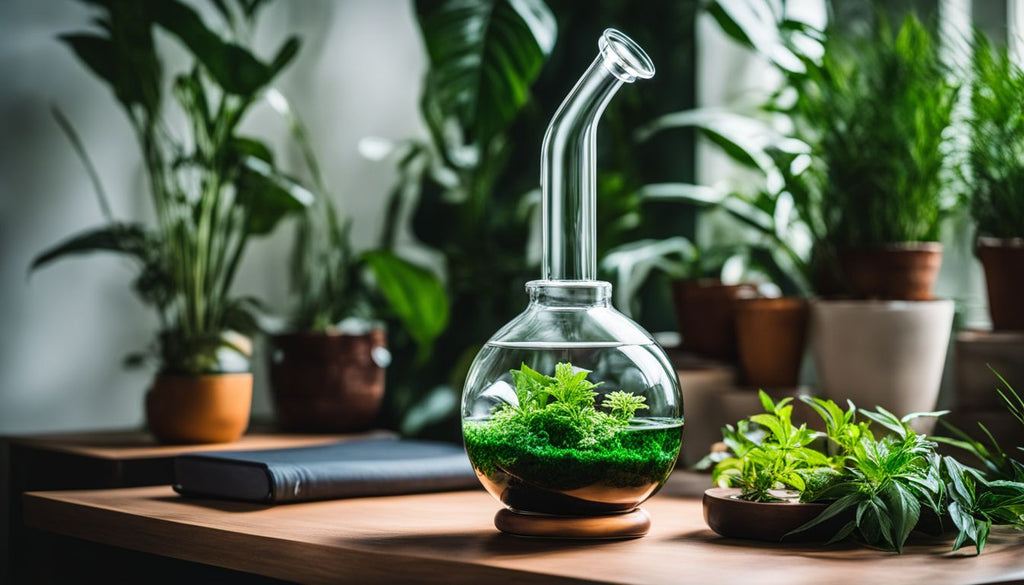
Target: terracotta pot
<point>770,334</point>
<point>882,353</point>
<point>327,382</point>
<point>903,271</point>
<point>1003,261</point>
<point>199,409</point>
<point>705,311</point>
<point>732,517</point>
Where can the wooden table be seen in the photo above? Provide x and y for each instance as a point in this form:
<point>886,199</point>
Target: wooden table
<point>448,538</point>
<point>99,459</point>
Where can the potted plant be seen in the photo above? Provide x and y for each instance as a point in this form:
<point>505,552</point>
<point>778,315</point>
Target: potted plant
<point>211,192</point>
<point>705,284</point>
<point>861,163</point>
<point>769,331</point>
<point>327,367</point>
<point>997,170</point>
<point>878,479</point>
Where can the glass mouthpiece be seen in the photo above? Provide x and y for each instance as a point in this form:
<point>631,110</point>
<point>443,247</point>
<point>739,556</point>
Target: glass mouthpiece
<point>623,57</point>
<point>569,159</point>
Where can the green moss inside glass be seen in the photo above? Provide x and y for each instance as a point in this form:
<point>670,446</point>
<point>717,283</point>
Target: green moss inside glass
<point>557,452</point>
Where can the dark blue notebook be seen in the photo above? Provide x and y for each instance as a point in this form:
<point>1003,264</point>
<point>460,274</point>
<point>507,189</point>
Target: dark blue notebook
<point>360,467</point>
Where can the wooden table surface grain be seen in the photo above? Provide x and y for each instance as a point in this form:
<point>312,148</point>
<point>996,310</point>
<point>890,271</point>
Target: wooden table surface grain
<point>450,538</point>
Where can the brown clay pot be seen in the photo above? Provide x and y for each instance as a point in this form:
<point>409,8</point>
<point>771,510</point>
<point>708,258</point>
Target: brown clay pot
<point>902,272</point>
<point>705,311</point>
<point>199,409</point>
<point>1003,261</point>
<point>770,334</point>
<point>326,382</point>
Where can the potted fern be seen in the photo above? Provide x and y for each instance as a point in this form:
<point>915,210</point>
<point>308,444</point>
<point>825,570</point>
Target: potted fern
<point>997,168</point>
<point>881,105</point>
<point>870,476</point>
<point>212,192</point>
<point>327,367</point>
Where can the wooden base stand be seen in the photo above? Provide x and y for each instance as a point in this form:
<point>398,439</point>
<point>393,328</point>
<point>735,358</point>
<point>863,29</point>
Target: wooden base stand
<point>629,525</point>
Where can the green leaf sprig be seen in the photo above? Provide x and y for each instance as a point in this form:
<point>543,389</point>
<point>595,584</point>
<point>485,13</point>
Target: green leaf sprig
<point>880,484</point>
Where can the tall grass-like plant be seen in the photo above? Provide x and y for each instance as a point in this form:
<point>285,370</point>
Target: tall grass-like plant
<point>876,112</point>
<point>213,188</point>
<point>997,142</point>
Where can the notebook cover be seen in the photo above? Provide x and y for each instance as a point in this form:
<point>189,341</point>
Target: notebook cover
<point>360,467</point>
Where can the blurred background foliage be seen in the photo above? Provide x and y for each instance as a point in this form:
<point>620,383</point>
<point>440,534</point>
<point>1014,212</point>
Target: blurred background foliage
<point>470,194</point>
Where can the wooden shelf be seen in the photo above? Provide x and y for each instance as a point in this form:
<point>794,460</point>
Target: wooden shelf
<point>449,538</point>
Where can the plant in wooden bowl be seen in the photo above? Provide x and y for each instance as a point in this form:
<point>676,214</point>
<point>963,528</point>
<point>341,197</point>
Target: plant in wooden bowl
<point>213,190</point>
<point>854,480</point>
<point>997,173</point>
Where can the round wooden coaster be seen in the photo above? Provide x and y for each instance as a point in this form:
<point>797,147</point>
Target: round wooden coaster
<point>629,525</point>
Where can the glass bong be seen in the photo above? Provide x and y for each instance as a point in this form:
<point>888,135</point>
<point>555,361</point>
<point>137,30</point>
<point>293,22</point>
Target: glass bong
<point>571,413</point>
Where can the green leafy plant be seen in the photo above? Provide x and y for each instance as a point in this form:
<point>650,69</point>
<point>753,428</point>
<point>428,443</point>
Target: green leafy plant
<point>213,191</point>
<point>996,150</point>
<point>878,483</point>
<point>563,407</point>
<point>861,159</point>
<point>333,283</point>
<point>556,437</point>
<point>776,457</point>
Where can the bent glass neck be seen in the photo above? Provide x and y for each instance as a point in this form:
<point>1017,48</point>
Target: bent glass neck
<point>569,163</point>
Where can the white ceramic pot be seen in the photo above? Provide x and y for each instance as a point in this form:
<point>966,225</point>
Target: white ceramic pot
<point>881,353</point>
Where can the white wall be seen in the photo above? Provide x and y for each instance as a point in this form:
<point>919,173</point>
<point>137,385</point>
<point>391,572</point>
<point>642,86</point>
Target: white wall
<point>67,327</point>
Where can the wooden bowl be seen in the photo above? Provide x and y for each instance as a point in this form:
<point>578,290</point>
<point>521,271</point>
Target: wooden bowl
<point>732,517</point>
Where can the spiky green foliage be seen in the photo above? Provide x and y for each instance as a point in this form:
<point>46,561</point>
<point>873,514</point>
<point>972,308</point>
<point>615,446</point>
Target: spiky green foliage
<point>997,142</point>
<point>875,112</point>
<point>878,485</point>
<point>777,455</point>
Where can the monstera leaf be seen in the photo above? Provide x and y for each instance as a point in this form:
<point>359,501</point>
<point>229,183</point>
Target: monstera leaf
<point>484,55</point>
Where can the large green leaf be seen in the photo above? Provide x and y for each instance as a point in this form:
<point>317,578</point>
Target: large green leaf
<point>267,195</point>
<point>130,239</point>
<point>234,68</point>
<point>484,55</point>
<point>123,54</point>
<point>416,296</point>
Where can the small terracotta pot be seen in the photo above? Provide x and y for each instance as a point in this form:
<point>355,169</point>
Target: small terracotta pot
<point>326,382</point>
<point>199,409</point>
<point>903,271</point>
<point>705,311</point>
<point>732,517</point>
<point>1003,261</point>
<point>770,334</point>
